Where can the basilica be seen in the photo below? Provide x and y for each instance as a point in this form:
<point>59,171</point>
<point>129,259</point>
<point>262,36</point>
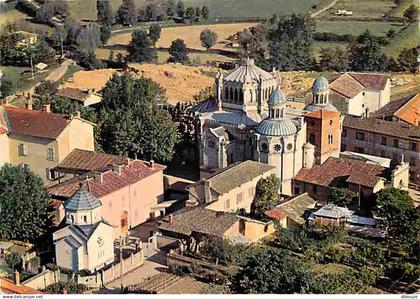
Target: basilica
<point>250,120</point>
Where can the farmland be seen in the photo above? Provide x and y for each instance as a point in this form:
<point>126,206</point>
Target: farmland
<point>357,27</point>
<point>362,9</point>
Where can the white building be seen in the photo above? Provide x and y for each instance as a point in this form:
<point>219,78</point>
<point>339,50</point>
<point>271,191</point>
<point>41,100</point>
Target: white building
<point>86,242</point>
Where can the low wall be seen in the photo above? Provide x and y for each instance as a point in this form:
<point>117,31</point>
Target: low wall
<point>128,265</point>
<point>174,258</point>
<point>42,280</point>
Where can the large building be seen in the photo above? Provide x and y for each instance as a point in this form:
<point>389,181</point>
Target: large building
<point>249,120</point>
<point>385,139</point>
<point>40,140</point>
<point>405,111</point>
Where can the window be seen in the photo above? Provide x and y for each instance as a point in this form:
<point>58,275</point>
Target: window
<point>330,138</point>
<point>395,142</point>
<point>360,150</point>
<point>53,174</point>
<point>297,190</point>
<point>314,189</point>
<point>50,154</point>
<point>360,136</point>
<point>412,161</point>
<point>383,140</point>
<point>264,147</point>
<point>413,146</point>
<point>312,138</point>
<point>227,205</point>
<point>251,192</point>
<point>85,219</point>
<point>239,198</point>
<point>72,218</point>
<point>344,133</point>
<point>23,149</point>
<point>343,147</point>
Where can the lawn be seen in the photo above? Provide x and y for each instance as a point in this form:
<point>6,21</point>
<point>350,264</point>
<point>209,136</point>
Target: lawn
<point>357,27</point>
<point>406,38</point>
<point>14,75</point>
<point>372,9</point>
<point>400,9</point>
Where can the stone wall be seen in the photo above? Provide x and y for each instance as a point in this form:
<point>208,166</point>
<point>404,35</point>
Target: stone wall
<point>42,280</point>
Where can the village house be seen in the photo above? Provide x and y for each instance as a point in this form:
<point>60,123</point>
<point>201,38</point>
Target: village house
<point>85,98</point>
<point>86,241</point>
<point>129,191</point>
<point>362,177</point>
<point>385,139</point>
<point>40,140</point>
<point>405,111</point>
<point>360,94</point>
<point>231,189</point>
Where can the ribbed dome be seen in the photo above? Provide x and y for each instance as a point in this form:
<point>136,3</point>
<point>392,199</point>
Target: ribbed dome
<point>82,200</point>
<point>276,98</point>
<point>276,127</point>
<point>315,107</point>
<point>248,72</point>
<point>320,83</point>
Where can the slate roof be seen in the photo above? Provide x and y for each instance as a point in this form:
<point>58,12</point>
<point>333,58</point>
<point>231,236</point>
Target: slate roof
<point>350,170</point>
<point>33,122</point>
<point>295,208</point>
<point>407,109</point>
<point>333,211</point>
<point>73,94</point>
<point>350,84</point>
<point>276,127</point>
<point>235,175</point>
<point>84,160</point>
<point>135,171</point>
<point>380,126</point>
<point>201,220</point>
<point>82,200</point>
<point>248,72</point>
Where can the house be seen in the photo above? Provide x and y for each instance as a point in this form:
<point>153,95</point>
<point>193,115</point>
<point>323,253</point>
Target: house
<point>41,66</point>
<point>293,212</point>
<point>8,286</point>
<point>128,191</point>
<point>356,174</point>
<point>86,241</point>
<point>26,38</point>
<point>40,140</point>
<point>360,94</point>
<point>230,189</point>
<point>192,224</point>
<point>343,12</point>
<point>85,98</point>
<point>385,139</point>
<point>405,111</point>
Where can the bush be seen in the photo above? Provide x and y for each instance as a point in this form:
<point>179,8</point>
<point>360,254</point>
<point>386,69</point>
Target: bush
<point>13,260</point>
<point>180,270</point>
<point>72,287</point>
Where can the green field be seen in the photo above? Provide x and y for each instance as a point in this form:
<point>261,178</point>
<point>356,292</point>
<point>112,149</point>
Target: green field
<point>362,8</point>
<point>407,38</point>
<point>357,27</point>
<point>399,10</point>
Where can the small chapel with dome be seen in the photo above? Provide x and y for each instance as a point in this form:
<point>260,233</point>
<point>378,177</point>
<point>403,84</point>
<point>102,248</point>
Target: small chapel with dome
<point>250,120</point>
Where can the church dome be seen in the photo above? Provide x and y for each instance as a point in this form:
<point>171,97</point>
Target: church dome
<point>318,106</point>
<point>276,98</point>
<point>248,72</point>
<point>82,200</point>
<point>276,127</point>
<point>320,83</point>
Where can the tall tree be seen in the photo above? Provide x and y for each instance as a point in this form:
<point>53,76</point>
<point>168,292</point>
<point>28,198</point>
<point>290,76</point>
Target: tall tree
<point>132,121</point>
<point>412,13</point>
<point>333,59</point>
<point>127,13</point>
<point>205,13</point>
<point>266,196</point>
<point>180,9</point>
<point>190,14</point>
<point>198,13</point>
<point>171,8</point>
<point>365,54</point>
<point>208,38</point>
<point>407,60</point>
<point>140,48</point>
<point>89,38</point>
<point>253,44</point>
<point>178,51</point>
<point>105,34</point>
<point>341,196</point>
<point>154,33</point>
<point>290,43</point>
<point>23,203</point>
<point>104,11</point>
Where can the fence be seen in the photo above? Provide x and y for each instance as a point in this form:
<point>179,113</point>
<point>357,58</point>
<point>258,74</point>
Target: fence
<point>42,280</point>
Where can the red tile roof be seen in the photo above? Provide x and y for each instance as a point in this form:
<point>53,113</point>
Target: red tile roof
<point>8,287</point>
<point>410,112</point>
<point>353,170</point>
<point>2,130</point>
<point>276,213</point>
<point>83,160</point>
<point>33,122</point>
<point>350,84</point>
<point>133,172</point>
<point>322,114</point>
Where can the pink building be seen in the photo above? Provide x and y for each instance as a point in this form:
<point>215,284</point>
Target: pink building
<point>129,191</point>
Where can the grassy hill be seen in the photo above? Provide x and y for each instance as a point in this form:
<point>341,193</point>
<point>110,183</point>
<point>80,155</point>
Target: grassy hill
<point>406,38</point>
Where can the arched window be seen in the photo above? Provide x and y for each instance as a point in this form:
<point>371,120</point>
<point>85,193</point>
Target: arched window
<point>241,96</point>
<point>231,94</point>
<point>277,113</point>
<point>236,96</point>
<point>252,95</point>
<point>85,219</point>
<point>72,218</point>
<point>312,138</point>
<point>226,93</point>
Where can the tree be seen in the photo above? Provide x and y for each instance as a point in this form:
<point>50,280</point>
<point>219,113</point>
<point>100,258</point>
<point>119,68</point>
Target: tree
<point>154,33</point>
<point>171,8</point>
<point>272,272</point>
<point>190,14</point>
<point>13,259</point>
<point>266,196</point>
<point>407,60</point>
<point>290,43</point>
<point>220,250</point>
<point>105,34</point>
<point>6,88</point>
<point>341,196</point>
<point>127,14</point>
<point>140,48</point>
<point>365,54</point>
<point>72,28</point>
<point>178,52</point>
<point>333,59</point>
<point>395,208</point>
<point>50,8</point>
<point>411,13</point>
<point>104,11</point>
<point>45,91</point>
<point>89,38</point>
<point>208,38</point>
<point>24,203</point>
<point>198,13</point>
<point>60,35</point>
<point>252,42</point>
<point>88,60</point>
<point>151,11</point>
<point>132,121</point>
<point>180,9</point>
<point>205,13</point>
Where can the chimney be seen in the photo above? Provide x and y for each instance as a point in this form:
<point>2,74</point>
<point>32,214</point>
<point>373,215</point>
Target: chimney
<point>17,277</point>
<point>152,164</point>
<point>28,104</point>
<point>117,169</point>
<point>127,161</point>
<point>46,108</point>
<point>78,114</point>
<point>171,219</point>
<point>99,177</point>
<point>207,191</point>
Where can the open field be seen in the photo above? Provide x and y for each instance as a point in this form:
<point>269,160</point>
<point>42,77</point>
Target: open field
<point>407,38</point>
<point>399,10</point>
<point>372,9</point>
<point>357,27</point>
<point>190,34</point>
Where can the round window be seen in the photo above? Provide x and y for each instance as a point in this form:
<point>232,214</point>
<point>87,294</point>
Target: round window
<point>277,147</point>
<point>264,147</point>
<point>289,147</point>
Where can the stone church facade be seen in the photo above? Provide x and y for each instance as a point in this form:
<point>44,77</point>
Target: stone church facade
<point>249,120</point>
